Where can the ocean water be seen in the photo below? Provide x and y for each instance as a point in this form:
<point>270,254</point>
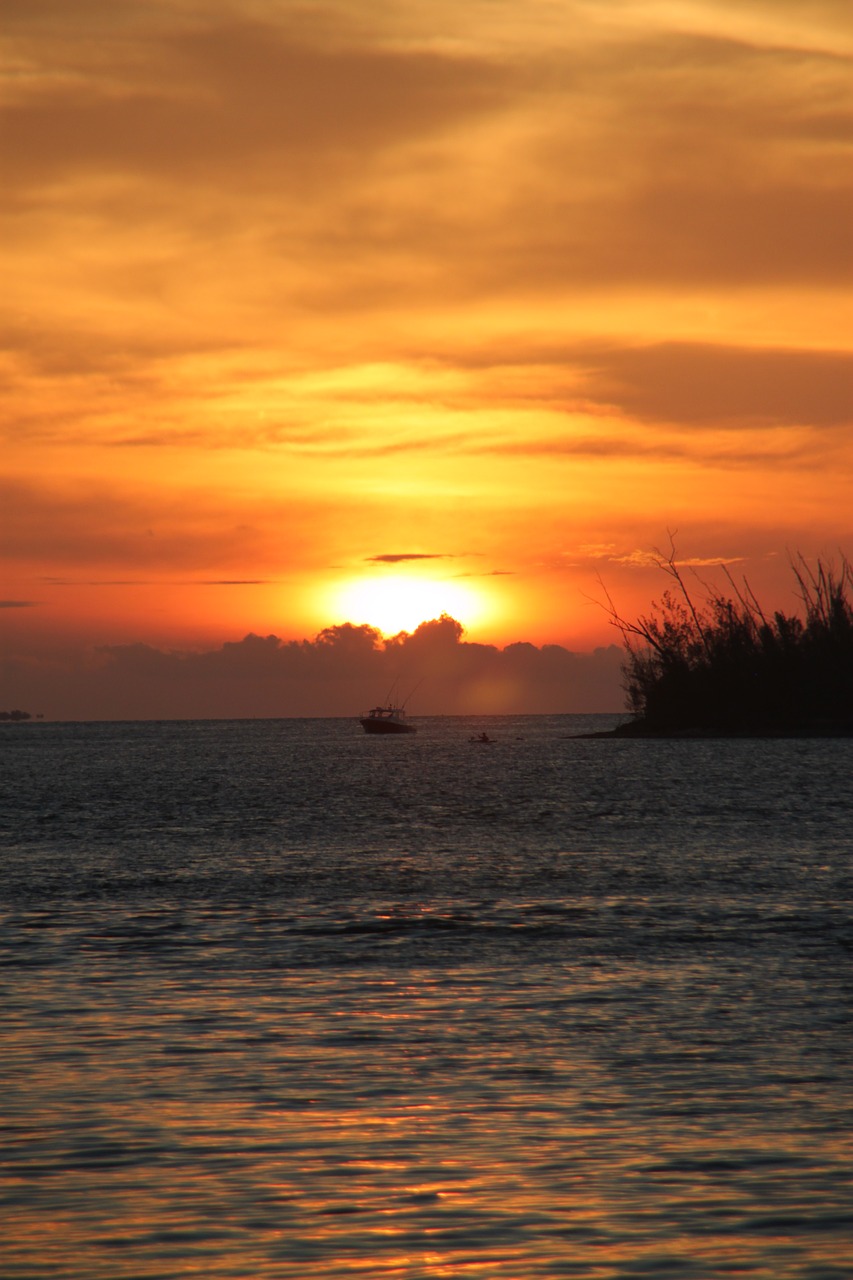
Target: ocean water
<point>283,1000</point>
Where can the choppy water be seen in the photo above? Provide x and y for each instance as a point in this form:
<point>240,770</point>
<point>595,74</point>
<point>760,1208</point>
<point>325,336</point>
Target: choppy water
<point>282,1000</point>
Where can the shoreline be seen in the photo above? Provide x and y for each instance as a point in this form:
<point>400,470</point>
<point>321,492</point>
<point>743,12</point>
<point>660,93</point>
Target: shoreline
<point>636,729</point>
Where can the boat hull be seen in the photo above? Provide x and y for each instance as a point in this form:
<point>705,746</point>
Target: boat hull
<point>372,724</point>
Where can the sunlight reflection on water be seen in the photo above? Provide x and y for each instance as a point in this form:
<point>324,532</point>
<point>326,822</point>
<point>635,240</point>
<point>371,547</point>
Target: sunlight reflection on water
<point>506,1055</point>
<point>557,1122</point>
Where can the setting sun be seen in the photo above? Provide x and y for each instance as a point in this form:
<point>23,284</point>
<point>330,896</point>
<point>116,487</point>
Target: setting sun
<point>401,602</point>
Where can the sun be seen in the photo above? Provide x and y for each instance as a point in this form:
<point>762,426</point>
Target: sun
<point>401,602</point>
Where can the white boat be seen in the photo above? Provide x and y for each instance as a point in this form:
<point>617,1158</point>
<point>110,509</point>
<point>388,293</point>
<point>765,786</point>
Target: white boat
<point>389,719</point>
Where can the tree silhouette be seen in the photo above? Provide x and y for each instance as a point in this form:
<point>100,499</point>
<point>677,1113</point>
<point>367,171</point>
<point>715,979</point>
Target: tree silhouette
<point>726,667</point>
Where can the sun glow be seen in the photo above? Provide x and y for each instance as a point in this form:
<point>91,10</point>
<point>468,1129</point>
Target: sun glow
<point>400,602</point>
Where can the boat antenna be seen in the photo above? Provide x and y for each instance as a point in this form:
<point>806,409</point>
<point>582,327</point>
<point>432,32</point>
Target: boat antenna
<point>414,691</point>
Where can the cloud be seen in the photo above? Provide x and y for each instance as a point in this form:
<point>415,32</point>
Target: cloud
<point>708,562</point>
<point>95,532</point>
<point>397,557</point>
<point>306,167</point>
<point>488,573</point>
<point>683,157</point>
<point>95,526</point>
<point>677,383</point>
<point>700,383</point>
<point>336,673</point>
<point>237,98</point>
<point>656,157</point>
<point>642,559</point>
<point>155,582</point>
<point>18,604</point>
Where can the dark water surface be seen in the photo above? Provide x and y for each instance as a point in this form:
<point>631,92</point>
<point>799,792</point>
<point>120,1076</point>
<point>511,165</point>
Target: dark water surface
<point>282,1000</point>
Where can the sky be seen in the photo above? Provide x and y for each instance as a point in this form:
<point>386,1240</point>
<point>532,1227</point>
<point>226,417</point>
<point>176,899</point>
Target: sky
<point>325,317</point>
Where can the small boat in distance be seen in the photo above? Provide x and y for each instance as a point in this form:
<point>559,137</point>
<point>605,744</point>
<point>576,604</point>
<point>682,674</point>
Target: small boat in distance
<point>391,716</point>
<point>388,719</point>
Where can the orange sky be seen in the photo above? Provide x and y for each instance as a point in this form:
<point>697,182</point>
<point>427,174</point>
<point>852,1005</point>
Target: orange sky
<point>482,298</point>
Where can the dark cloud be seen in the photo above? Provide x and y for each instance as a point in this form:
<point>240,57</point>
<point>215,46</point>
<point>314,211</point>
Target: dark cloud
<point>397,557</point>
<point>215,102</point>
<point>697,383</point>
<point>18,604</point>
<point>337,673</point>
<point>735,233</point>
<point>676,230</point>
<point>689,384</point>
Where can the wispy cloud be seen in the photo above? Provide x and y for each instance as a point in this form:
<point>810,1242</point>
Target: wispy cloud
<point>396,557</point>
<point>645,559</point>
<point>488,573</point>
<point>154,582</point>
